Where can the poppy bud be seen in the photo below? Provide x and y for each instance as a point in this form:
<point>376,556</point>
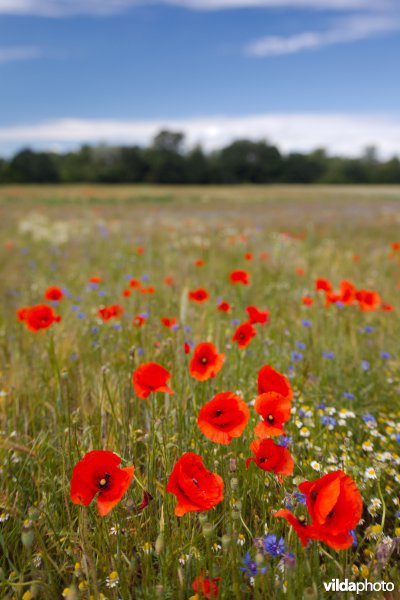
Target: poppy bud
<point>159,545</point>
<point>234,483</point>
<point>226,541</point>
<point>27,537</point>
<point>208,529</point>
<point>203,517</point>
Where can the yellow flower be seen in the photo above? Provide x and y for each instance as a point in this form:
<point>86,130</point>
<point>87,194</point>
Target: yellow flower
<point>27,596</point>
<point>83,585</point>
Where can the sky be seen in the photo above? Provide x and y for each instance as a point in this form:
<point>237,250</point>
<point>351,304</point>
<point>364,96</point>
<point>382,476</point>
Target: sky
<point>302,74</point>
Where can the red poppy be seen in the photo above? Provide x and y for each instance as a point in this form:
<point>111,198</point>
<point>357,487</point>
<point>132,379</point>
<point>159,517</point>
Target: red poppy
<point>368,300</point>
<point>196,488</point>
<point>323,285</point>
<point>54,293</point>
<point>248,256</point>
<point>264,256</point>
<point>299,525</point>
<point>332,298</point>
<point>275,410</point>
<point>270,380</point>
<point>257,316</point>
<point>206,362</point>
<point>95,279</point>
<point>387,307</point>
<point>98,472</point>
<point>307,301</point>
<point>244,334</point>
<point>40,316</point>
<point>396,246</point>
<point>199,295</point>
<point>206,588</point>
<point>140,250</point>
<point>300,271</point>
<point>110,312</point>
<point>347,292</point>
<point>271,457</point>
<point>199,262</point>
<point>150,377</point>
<point>139,321</point>
<point>240,277</point>
<point>169,280</point>
<point>223,418</point>
<point>186,348</point>
<point>224,306</point>
<point>148,290</point>
<point>335,505</point>
<point>169,322</point>
<point>126,293</point>
<point>135,283</point>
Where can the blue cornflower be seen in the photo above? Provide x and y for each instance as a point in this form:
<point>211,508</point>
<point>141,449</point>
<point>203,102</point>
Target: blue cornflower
<point>145,278</point>
<point>328,355</point>
<point>321,405</point>
<point>368,418</point>
<point>397,438</point>
<point>140,351</point>
<point>353,535</point>
<point>94,330</point>
<point>117,326</point>
<point>368,329</point>
<point>296,356</point>
<point>92,286</point>
<point>328,421</point>
<point>348,395</point>
<point>365,365</point>
<point>251,569</point>
<point>75,308</point>
<point>306,323</point>
<point>101,293</point>
<point>274,546</point>
<point>235,322</point>
<point>175,327</point>
<point>187,329</point>
<point>73,356</point>
<point>284,440</point>
<point>81,316</point>
<point>300,345</point>
<point>300,498</point>
<point>385,355</point>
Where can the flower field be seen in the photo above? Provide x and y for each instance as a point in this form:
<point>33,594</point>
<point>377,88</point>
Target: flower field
<point>199,392</point>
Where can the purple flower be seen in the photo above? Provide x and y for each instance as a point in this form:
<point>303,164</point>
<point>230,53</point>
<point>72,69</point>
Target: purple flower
<point>306,323</point>
<point>296,356</point>
<point>348,395</point>
<point>365,365</point>
<point>300,345</point>
<point>328,355</point>
<point>274,546</point>
<point>385,355</point>
<point>251,569</point>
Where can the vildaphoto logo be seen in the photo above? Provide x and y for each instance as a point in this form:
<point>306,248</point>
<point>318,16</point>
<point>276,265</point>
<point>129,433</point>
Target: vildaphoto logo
<point>345,585</point>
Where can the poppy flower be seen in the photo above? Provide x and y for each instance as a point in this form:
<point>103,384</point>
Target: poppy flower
<point>224,306</point>
<point>196,488</point>
<point>323,285</point>
<point>206,588</point>
<point>139,250</point>
<point>275,410</point>
<point>368,300</point>
<point>300,271</point>
<point>199,295</point>
<point>169,280</point>
<point>187,348</point>
<point>270,380</point>
<point>126,293</point>
<point>98,472</point>
<point>347,292</point>
<point>244,334</point>
<point>248,256</point>
<point>148,290</point>
<point>239,277</point>
<point>257,316</point>
<point>110,312</point>
<point>298,524</point>
<point>40,316</point>
<point>223,418</point>
<point>95,279</point>
<point>54,293</point>
<point>199,262</point>
<point>139,321</point>
<point>307,300</point>
<point>150,377</point>
<point>387,307</point>
<point>271,457</point>
<point>169,322</point>
<point>264,256</point>
<point>206,362</point>
<point>135,283</point>
<point>335,505</point>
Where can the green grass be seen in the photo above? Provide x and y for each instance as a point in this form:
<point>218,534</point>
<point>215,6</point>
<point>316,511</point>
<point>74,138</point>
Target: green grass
<point>68,389</point>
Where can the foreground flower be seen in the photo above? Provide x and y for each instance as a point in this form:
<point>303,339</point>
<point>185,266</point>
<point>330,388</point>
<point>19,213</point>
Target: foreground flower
<point>199,295</point>
<point>99,473</point>
<point>270,380</point>
<point>206,362</point>
<point>257,316</point>
<point>239,277</point>
<point>244,334</point>
<point>223,418</point>
<point>195,488</point>
<point>150,377</point>
<point>275,410</point>
<point>54,293</point>
<point>334,504</point>
<point>206,588</point>
<point>40,316</point>
<point>271,457</point>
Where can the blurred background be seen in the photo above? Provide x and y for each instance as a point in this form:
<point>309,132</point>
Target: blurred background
<point>199,91</point>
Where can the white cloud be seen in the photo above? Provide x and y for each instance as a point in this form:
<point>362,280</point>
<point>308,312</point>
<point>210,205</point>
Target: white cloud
<point>348,30</point>
<point>60,8</point>
<point>345,134</point>
<point>12,53</point>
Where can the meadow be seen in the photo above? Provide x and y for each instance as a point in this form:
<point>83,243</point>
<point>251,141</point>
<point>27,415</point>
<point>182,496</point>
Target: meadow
<point>66,389</point>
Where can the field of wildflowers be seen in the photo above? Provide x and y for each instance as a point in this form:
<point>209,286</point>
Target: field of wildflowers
<point>199,392</point>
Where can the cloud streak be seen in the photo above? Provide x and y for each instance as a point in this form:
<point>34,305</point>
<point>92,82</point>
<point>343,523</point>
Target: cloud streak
<point>15,53</point>
<point>65,8</point>
<point>348,30</point>
<point>344,134</point>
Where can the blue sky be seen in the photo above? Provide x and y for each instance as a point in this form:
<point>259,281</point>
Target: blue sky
<point>302,73</point>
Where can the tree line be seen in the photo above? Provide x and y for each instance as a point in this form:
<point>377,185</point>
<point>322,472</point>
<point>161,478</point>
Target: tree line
<point>167,161</point>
